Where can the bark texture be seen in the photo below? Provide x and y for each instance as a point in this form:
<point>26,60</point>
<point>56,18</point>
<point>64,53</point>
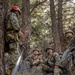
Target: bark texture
<point>26,24</point>
<point>2,15</point>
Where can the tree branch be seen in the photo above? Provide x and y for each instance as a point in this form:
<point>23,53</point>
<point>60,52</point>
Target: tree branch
<point>36,5</point>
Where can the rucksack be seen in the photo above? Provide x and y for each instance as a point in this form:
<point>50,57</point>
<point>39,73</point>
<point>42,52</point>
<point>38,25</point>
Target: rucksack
<point>68,58</point>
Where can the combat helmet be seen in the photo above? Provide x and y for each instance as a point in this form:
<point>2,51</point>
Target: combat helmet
<point>36,49</point>
<point>48,49</point>
<point>69,31</point>
<point>16,8</point>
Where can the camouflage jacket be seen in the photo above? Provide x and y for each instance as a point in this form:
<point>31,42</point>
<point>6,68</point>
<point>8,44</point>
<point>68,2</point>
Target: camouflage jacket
<point>54,60</point>
<point>30,60</point>
<point>12,26</point>
<point>11,22</point>
<point>51,62</point>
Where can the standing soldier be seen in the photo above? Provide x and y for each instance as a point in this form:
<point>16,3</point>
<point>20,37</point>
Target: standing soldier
<point>12,32</point>
<point>52,62</point>
<point>68,58</point>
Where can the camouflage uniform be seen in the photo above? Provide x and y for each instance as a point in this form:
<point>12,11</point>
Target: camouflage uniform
<point>50,63</point>
<point>34,68</point>
<point>68,58</point>
<point>12,37</point>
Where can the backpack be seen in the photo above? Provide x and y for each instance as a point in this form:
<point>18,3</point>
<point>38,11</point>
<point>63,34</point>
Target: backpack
<point>72,52</point>
<point>68,61</point>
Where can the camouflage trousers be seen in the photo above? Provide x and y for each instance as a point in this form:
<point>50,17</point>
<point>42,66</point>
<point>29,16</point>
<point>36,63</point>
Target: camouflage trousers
<point>72,70</point>
<point>36,70</point>
<point>56,73</point>
<point>14,52</point>
<point>48,74</point>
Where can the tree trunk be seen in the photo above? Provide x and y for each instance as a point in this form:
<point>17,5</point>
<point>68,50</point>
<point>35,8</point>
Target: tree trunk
<point>6,6</point>
<point>26,24</point>
<point>2,15</point>
<point>16,2</point>
<point>56,38</point>
<point>60,26</point>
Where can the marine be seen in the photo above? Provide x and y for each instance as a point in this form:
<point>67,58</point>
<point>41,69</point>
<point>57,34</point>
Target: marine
<point>68,58</point>
<point>34,62</point>
<point>51,63</point>
<point>12,34</point>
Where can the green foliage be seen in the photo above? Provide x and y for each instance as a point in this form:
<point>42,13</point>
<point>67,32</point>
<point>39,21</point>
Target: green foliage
<point>40,19</point>
<point>68,15</point>
<point>41,25</point>
<point>15,2</point>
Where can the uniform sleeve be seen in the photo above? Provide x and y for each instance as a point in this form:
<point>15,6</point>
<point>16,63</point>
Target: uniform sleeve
<point>72,42</point>
<point>14,22</point>
<point>57,60</point>
<point>27,63</point>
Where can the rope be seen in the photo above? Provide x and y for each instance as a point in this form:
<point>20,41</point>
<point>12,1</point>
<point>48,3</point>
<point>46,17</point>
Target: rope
<point>17,65</point>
